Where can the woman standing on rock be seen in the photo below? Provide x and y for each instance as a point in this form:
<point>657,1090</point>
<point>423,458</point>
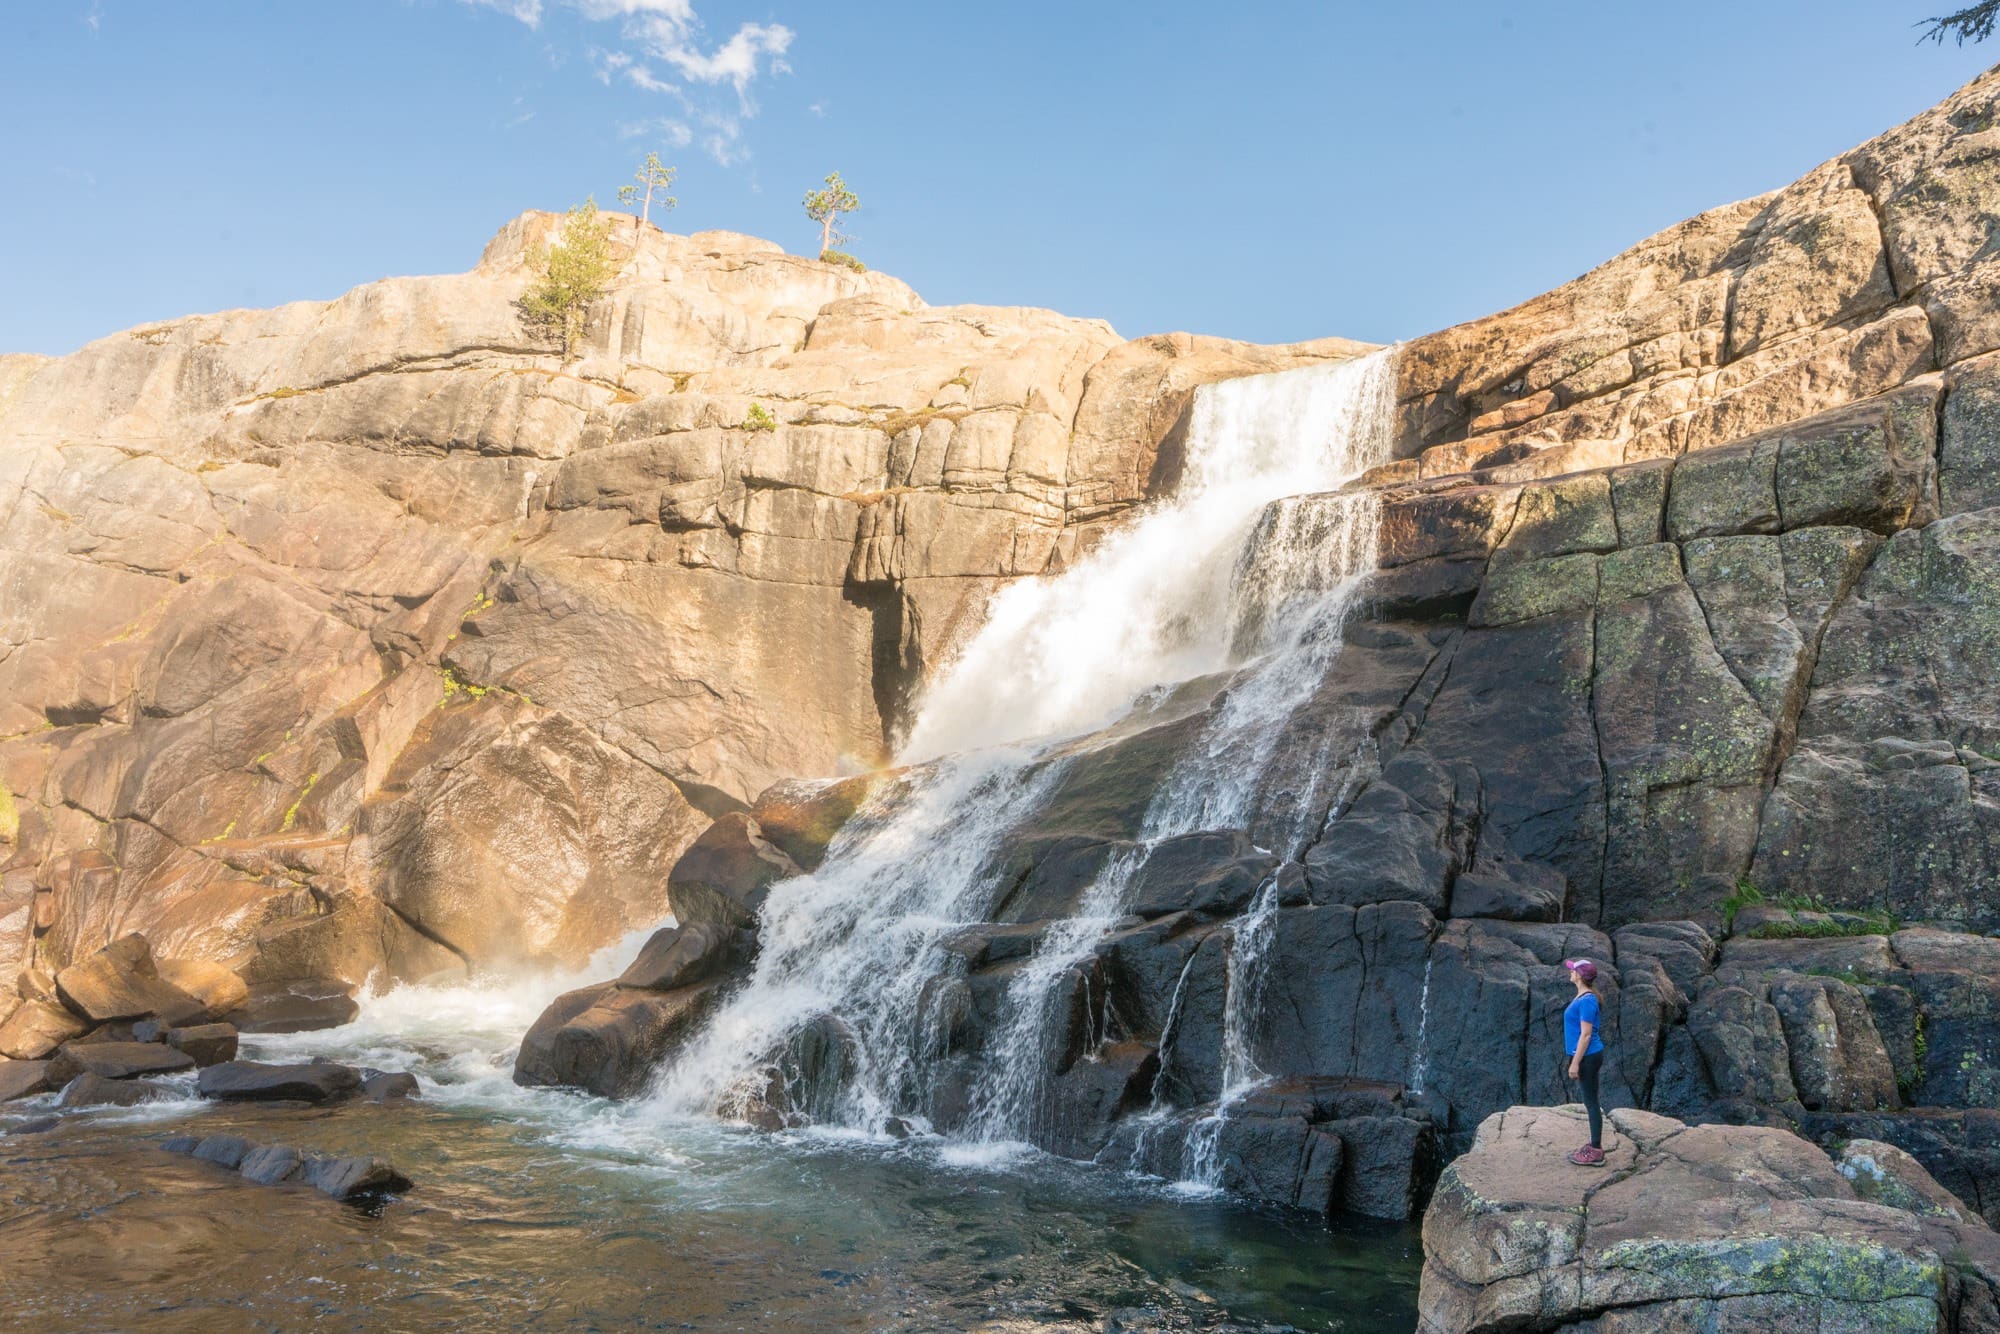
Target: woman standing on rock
<point>1582,1028</point>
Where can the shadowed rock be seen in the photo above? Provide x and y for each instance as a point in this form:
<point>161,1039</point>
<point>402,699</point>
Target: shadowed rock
<point>116,1060</point>
<point>253,1081</point>
<point>89,1090</point>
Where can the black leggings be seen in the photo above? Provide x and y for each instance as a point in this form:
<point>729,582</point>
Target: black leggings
<point>1587,1071</point>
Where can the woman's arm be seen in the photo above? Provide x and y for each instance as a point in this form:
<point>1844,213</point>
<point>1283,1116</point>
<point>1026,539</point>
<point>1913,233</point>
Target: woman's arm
<point>1582,1046</point>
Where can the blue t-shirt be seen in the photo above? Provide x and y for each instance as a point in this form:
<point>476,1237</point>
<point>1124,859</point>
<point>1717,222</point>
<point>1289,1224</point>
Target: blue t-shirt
<point>1583,1010</point>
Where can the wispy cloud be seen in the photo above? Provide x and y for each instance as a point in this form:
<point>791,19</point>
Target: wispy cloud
<point>663,50</point>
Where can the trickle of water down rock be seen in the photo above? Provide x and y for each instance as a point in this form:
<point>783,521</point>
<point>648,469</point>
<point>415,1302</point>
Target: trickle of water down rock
<point>1234,578</point>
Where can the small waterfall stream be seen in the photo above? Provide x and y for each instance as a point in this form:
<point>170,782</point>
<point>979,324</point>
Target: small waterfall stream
<point>1229,574</point>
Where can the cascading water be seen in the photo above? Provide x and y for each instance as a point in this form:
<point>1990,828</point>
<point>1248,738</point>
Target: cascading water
<point>1225,575</point>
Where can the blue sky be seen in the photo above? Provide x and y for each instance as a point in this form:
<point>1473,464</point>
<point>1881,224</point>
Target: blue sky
<point>1259,170</point>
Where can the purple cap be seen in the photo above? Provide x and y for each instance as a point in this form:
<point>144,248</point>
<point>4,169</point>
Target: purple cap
<point>1583,968</point>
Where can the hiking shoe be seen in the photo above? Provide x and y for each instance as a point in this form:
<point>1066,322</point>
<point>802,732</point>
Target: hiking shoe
<point>1588,1156</point>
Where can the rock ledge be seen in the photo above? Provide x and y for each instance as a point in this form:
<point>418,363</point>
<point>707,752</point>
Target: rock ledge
<point>1718,1228</point>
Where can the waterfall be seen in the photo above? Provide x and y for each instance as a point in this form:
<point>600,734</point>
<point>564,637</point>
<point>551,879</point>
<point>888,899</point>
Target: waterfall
<point>1225,575</point>
<point>1419,1063</point>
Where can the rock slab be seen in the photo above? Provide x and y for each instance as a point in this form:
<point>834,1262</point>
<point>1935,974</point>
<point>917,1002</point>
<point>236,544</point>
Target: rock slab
<point>1728,1229</point>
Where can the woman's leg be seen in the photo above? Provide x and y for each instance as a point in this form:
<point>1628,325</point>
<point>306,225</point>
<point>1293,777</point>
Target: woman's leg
<point>1587,1073</point>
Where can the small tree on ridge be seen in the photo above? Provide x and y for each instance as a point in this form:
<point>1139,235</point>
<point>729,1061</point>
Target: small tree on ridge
<point>652,179</point>
<point>825,207</point>
<point>576,267</point>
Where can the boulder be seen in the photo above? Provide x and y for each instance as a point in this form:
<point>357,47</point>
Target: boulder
<point>208,1044</point>
<point>378,1086</point>
<point>1887,1175</point>
<point>608,1039</point>
<point>801,817</point>
<point>219,989</point>
<point>296,1007</point>
<point>116,1060</point>
<point>724,875</point>
<point>22,1079</point>
<point>88,1090</point>
<point>121,981</point>
<point>37,1028</point>
<point>255,1081</point>
<point>36,1125</point>
<point>1723,1228</point>
<point>679,956</point>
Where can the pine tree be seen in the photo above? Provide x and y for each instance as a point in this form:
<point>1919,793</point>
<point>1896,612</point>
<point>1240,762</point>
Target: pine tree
<point>575,270</point>
<point>652,179</point>
<point>1974,23</point>
<point>825,207</point>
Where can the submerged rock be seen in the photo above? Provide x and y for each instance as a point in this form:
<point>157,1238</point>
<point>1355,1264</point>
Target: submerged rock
<point>351,1177</point>
<point>1730,1229</point>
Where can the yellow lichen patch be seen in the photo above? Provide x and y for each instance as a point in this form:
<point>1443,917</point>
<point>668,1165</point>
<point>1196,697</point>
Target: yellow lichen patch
<point>292,814</point>
<point>10,817</point>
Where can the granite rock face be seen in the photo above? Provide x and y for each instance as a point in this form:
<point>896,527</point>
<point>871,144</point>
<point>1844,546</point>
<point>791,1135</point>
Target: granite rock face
<point>1723,1228</point>
<point>375,636</point>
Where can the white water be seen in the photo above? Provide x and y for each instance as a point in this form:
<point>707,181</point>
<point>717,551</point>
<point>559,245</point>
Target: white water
<point>1158,600</point>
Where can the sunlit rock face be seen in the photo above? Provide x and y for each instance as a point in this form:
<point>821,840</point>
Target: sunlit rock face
<point>373,636</point>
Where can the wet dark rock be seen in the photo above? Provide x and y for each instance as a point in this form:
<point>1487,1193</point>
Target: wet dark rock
<point>269,1164</point>
<point>89,1090</point>
<point>255,1081</point>
<point>116,1060</point>
<point>1214,873</point>
<point>609,1039</point>
<point>997,942</point>
<point>679,956</point>
<point>22,1079</point>
<point>724,875</point>
<point>296,1007</point>
<point>36,1125</point>
<point>208,1044</point>
<point>121,981</point>
<point>1405,838</point>
<point>1087,1099</point>
<point>181,1144</point>
<point>380,1086</point>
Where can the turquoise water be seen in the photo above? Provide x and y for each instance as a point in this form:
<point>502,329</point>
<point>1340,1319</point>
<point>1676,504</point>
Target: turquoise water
<point>544,1210</point>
